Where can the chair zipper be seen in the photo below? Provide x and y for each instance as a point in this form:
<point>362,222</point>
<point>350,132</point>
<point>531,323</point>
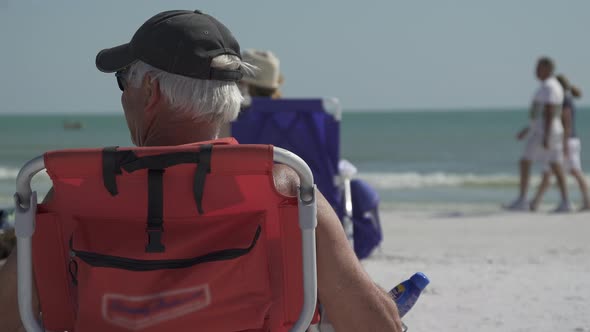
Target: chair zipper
<point>100,260</point>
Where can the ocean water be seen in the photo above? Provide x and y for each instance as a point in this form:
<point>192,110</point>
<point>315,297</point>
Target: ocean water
<point>421,159</point>
<point>451,158</point>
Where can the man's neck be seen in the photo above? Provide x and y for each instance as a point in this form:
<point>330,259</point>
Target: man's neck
<point>175,139</point>
<point>177,129</point>
<point>546,78</point>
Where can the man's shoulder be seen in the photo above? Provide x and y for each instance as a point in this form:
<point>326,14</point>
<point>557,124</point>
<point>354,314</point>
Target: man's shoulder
<point>285,179</point>
<point>215,141</point>
<point>553,84</point>
<point>550,91</point>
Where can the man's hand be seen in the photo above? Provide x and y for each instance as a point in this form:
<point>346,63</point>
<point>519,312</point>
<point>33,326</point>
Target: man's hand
<point>546,142</point>
<point>522,133</point>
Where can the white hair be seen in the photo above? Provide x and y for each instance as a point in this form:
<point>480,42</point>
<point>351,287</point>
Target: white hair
<point>215,101</point>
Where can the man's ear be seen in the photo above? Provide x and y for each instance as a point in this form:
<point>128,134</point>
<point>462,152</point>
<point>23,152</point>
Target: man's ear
<point>153,93</point>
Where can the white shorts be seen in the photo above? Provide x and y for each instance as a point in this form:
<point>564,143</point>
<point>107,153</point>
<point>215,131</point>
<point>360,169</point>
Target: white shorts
<point>573,161</point>
<point>536,152</point>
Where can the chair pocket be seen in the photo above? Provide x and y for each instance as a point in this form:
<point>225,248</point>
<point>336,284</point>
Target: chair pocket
<point>213,275</point>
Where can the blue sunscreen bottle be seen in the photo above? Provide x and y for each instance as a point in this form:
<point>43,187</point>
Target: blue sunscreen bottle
<point>406,294</point>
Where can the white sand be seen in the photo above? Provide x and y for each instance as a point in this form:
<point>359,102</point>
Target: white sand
<point>494,272</point>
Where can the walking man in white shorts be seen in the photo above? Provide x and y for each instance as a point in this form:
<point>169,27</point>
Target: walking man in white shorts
<point>571,145</point>
<point>544,136</point>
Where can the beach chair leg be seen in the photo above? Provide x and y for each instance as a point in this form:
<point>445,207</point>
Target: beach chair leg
<point>25,227</point>
<point>25,205</point>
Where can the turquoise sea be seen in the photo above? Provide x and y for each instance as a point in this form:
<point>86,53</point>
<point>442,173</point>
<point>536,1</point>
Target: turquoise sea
<point>414,158</point>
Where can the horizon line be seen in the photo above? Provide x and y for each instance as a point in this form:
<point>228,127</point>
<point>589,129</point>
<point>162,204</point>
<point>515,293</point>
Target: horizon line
<point>349,110</point>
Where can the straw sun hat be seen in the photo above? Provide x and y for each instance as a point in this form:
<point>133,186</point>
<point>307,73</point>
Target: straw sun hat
<point>267,75</point>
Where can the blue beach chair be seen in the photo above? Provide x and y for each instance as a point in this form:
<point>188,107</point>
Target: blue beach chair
<point>302,126</point>
<point>311,129</point>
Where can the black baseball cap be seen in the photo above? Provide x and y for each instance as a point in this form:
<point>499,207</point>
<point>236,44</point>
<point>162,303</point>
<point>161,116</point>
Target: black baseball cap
<point>181,42</point>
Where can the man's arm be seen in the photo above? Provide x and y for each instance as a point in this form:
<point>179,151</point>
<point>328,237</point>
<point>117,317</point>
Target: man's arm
<point>532,109</point>
<point>9,314</point>
<point>548,111</point>
<point>351,299</point>
<point>522,133</point>
<point>566,120</point>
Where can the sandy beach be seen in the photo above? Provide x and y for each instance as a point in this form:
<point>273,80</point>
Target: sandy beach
<point>492,271</point>
<point>496,271</point>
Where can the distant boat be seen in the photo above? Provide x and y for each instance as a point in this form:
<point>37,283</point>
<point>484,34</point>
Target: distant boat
<point>72,125</point>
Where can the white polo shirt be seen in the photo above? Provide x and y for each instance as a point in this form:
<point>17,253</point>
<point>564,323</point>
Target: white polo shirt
<point>550,92</point>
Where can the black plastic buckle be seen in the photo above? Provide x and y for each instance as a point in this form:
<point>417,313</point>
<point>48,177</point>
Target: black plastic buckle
<point>155,240</point>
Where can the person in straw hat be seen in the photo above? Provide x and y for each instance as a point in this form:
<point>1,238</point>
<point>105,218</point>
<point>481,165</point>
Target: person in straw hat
<point>267,79</point>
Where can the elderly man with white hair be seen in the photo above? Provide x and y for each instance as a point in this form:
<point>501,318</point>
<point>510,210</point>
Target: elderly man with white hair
<point>178,79</point>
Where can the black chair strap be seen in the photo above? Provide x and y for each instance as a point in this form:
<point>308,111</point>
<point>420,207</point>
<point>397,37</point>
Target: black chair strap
<point>109,169</point>
<point>114,161</point>
<point>111,166</point>
<point>155,214</point>
<point>203,168</point>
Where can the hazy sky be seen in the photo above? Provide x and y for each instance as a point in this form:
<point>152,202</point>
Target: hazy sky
<point>369,54</point>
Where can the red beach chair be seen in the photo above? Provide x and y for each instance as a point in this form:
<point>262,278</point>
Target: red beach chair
<point>181,238</point>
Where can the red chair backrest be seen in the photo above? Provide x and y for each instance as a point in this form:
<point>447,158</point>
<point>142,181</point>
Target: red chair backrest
<point>103,263</point>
